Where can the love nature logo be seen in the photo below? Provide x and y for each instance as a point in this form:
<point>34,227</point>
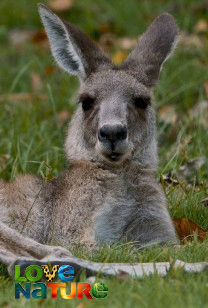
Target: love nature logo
<point>30,286</point>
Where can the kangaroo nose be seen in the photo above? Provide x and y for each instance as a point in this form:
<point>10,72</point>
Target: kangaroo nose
<point>112,133</point>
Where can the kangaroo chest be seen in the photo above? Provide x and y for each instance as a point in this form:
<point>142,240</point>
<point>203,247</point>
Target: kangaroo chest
<point>87,205</point>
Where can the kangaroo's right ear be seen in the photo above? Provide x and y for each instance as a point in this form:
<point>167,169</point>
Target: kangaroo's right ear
<point>152,50</point>
<point>72,49</point>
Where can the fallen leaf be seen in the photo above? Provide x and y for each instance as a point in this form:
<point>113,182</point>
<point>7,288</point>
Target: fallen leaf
<point>119,57</point>
<point>23,97</point>
<point>186,228</point>
<point>200,113</point>
<point>82,305</point>
<point>36,82</point>
<point>63,116</point>
<point>122,275</point>
<point>104,28</point>
<point>168,114</point>
<point>206,88</point>
<point>201,26</point>
<point>49,69</point>
<point>3,160</point>
<point>18,37</point>
<point>201,107</point>
<point>39,36</point>
<point>189,170</point>
<point>60,5</point>
<point>107,40</point>
<point>205,201</point>
<point>187,40</point>
<point>126,42</point>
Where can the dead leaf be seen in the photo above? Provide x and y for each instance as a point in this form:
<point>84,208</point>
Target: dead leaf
<point>126,42</point>
<point>49,69</point>
<point>168,114</point>
<point>205,201</point>
<point>186,228</point>
<point>206,88</point>
<point>60,5</point>
<point>82,305</point>
<point>36,82</point>
<point>201,26</point>
<point>63,116</point>
<point>39,37</point>
<point>201,107</point>
<point>104,28</point>
<point>122,275</point>
<point>22,97</point>
<point>200,113</point>
<point>189,170</point>
<point>107,40</point>
<point>18,37</point>
<point>119,57</point>
<point>187,40</point>
<point>3,160</point>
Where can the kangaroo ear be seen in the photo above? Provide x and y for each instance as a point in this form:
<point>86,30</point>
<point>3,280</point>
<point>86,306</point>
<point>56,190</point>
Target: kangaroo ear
<point>153,48</point>
<point>72,49</point>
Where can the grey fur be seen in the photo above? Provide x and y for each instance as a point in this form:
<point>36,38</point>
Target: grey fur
<point>98,200</point>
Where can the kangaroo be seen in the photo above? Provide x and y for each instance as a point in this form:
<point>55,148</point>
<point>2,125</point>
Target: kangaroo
<point>109,192</point>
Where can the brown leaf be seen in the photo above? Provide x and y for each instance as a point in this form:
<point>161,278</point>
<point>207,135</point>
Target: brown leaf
<point>63,116</point>
<point>104,28</point>
<point>18,37</point>
<point>126,42</point>
<point>107,40</point>
<point>122,275</point>
<point>82,305</point>
<point>205,201</point>
<point>206,88</point>
<point>187,40</point>
<point>189,170</point>
<point>49,69</point>
<point>168,114</point>
<point>23,97</point>
<point>186,228</point>
<point>60,5</point>
<point>36,82</point>
<point>39,37</point>
<point>201,26</point>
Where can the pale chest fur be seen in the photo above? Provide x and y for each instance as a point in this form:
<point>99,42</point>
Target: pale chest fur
<point>79,198</point>
<point>93,204</point>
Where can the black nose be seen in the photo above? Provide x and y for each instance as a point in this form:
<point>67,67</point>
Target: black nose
<point>112,133</point>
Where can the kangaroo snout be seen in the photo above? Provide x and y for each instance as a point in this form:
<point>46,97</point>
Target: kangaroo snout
<point>112,133</point>
<point>112,140</point>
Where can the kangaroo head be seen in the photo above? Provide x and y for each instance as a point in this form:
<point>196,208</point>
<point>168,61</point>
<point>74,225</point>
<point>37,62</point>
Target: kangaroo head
<point>114,120</point>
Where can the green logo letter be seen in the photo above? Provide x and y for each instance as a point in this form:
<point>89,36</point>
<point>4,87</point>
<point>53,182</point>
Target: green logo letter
<point>38,275</point>
<point>17,274</point>
<point>99,290</point>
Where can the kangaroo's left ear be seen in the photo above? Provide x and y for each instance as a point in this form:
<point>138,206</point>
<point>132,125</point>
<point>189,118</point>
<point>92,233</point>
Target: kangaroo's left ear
<point>72,49</point>
<point>153,48</point>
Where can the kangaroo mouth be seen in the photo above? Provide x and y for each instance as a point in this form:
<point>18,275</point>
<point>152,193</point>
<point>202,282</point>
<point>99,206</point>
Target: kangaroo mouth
<point>114,156</point>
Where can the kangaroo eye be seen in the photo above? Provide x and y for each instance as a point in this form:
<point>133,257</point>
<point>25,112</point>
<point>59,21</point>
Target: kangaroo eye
<point>142,102</point>
<point>87,102</point>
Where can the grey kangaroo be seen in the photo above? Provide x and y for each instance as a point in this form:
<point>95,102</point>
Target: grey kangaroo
<point>109,192</point>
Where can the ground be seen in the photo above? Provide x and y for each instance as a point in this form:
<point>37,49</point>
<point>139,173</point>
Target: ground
<point>37,100</point>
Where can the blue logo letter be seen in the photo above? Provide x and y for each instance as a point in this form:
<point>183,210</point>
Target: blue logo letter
<point>66,273</point>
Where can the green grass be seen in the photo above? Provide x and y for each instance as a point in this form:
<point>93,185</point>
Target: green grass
<point>32,141</point>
